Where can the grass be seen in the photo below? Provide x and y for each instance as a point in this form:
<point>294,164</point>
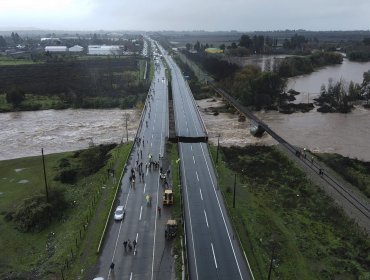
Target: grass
<point>43,254</point>
<point>176,210</point>
<point>277,207</point>
<point>354,171</point>
<point>6,61</point>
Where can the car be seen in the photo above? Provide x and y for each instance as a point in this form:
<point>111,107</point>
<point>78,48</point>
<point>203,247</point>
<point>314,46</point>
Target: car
<point>119,214</point>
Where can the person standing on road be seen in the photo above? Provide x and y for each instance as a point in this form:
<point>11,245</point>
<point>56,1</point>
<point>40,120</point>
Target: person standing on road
<point>125,244</point>
<point>159,211</point>
<point>111,266</point>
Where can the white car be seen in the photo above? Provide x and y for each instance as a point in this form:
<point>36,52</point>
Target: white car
<point>119,214</point>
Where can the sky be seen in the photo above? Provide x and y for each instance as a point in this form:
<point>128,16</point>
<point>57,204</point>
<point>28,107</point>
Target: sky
<point>185,15</point>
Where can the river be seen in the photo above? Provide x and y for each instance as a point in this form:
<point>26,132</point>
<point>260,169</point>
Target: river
<point>25,133</point>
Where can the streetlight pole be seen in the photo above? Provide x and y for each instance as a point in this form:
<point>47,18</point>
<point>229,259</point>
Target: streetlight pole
<point>234,191</point>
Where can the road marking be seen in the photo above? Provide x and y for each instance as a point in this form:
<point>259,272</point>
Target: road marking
<point>141,211</point>
<point>151,144</point>
<point>196,172</point>
<point>205,215</point>
<point>119,232</point>
<point>214,256</point>
<point>191,147</point>
<point>145,184</point>
<point>188,208</point>
<point>152,136</point>
<point>137,237</point>
<point>131,276</point>
<point>222,214</point>
<point>193,159</point>
<point>201,196</point>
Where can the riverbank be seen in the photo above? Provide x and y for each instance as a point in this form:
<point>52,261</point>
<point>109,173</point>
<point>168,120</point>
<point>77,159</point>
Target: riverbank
<point>44,254</point>
<point>278,210</point>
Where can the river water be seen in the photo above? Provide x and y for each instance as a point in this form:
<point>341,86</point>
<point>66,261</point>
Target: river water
<point>25,133</point>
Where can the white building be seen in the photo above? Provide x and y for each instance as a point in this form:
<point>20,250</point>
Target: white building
<point>56,49</point>
<point>76,48</point>
<point>104,50</point>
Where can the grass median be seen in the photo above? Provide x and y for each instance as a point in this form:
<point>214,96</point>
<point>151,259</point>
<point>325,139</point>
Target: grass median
<point>279,213</point>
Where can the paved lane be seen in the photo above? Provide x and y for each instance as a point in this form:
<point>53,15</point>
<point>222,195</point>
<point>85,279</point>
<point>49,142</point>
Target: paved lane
<point>141,221</point>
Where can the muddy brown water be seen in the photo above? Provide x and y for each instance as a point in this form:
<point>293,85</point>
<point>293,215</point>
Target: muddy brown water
<point>25,133</point>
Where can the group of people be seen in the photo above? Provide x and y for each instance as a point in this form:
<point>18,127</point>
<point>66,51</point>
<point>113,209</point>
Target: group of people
<point>127,245</point>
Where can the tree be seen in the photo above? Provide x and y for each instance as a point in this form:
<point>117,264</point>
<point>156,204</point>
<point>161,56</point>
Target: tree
<point>245,41</point>
<point>15,97</point>
<point>188,46</point>
<point>197,46</point>
<point>2,42</point>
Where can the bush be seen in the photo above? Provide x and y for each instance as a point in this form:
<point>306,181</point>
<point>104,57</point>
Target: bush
<point>68,176</point>
<point>35,213</point>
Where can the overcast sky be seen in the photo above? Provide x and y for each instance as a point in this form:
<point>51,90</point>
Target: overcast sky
<point>212,15</point>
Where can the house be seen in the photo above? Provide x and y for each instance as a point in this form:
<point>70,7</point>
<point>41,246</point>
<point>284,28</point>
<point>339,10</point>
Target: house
<point>56,49</point>
<point>76,48</point>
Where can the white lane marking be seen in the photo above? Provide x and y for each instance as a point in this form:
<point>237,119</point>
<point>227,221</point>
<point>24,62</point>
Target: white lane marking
<point>141,211</point>
<point>214,256</point>
<point>137,237</point>
<point>193,159</point>
<point>119,232</point>
<point>222,214</point>
<point>146,174</point>
<point>152,136</point>
<point>205,215</point>
<point>145,184</point>
<point>191,147</point>
<point>155,230</point>
<point>201,195</point>
<point>151,144</point>
<point>131,276</point>
<point>191,226</point>
<point>196,173</point>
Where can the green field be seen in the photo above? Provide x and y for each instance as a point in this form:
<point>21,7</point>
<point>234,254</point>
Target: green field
<point>277,207</point>
<point>352,170</point>
<point>6,61</point>
<point>44,254</point>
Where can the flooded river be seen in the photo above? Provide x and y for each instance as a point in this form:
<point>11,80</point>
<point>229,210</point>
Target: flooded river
<point>25,133</point>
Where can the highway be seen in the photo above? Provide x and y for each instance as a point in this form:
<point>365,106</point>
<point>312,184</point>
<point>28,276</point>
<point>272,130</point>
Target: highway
<point>142,221</point>
<point>213,250</point>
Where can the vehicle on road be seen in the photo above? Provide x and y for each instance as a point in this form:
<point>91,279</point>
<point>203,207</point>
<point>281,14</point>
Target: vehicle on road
<point>167,197</point>
<point>171,229</point>
<point>119,214</point>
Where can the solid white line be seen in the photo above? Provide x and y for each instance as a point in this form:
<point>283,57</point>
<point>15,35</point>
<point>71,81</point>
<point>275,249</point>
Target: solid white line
<point>131,276</point>
<point>193,159</point>
<point>214,256</point>
<point>196,172</point>
<point>201,195</point>
<point>141,211</point>
<point>191,226</point>
<point>205,215</point>
<point>145,184</point>
<point>119,232</point>
<point>222,214</point>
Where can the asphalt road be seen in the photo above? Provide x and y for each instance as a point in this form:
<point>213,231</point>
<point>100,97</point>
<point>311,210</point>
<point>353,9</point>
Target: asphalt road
<point>213,250</point>
<point>142,221</point>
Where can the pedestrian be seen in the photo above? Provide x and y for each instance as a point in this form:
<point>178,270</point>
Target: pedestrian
<point>125,244</point>
<point>112,266</point>
<point>141,153</point>
<point>159,211</point>
<point>142,176</point>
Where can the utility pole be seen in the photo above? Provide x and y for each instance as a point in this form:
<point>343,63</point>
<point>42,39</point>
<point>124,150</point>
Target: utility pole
<point>46,184</point>
<point>271,262</point>
<point>218,147</point>
<point>234,191</point>
<point>126,119</point>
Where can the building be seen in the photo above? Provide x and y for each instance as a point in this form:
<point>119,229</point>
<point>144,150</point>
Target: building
<point>76,48</point>
<point>213,50</point>
<point>104,50</point>
<point>56,49</point>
